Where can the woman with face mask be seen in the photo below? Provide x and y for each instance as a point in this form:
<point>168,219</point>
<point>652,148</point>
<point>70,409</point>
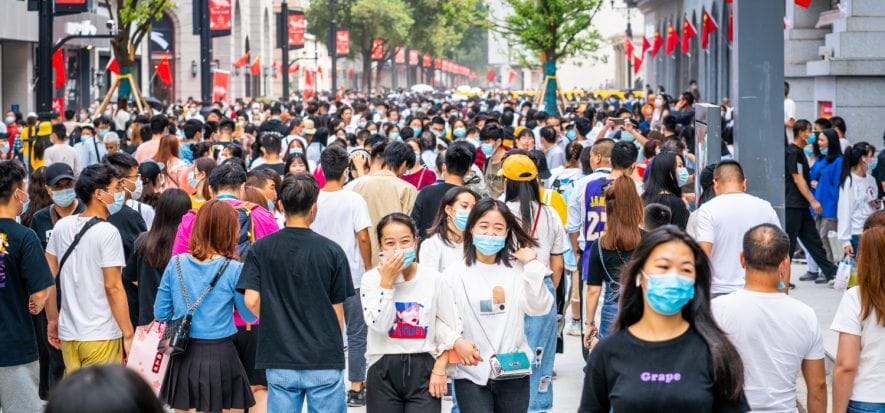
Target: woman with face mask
<point>413,325</point>
<point>444,245</point>
<point>666,177</point>
<point>857,194</point>
<point>666,354</point>
<point>497,285</point>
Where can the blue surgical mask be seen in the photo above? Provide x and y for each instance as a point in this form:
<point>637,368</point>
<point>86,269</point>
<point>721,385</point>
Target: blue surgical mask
<point>408,257</point>
<point>812,138</point>
<point>417,158</point>
<point>809,152</point>
<point>873,164</point>
<point>668,293</point>
<point>25,206</point>
<point>64,197</point>
<point>681,176</point>
<point>270,205</point>
<point>459,132</point>
<point>488,244</point>
<point>117,205</point>
<point>192,180</point>
<point>627,137</point>
<point>487,149</point>
<point>128,133</point>
<point>417,131</point>
<point>102,133</point>
<point>571,135</point>
<point>460,219</point>
<point>295,151</point>
<point>824,151</point>
<point>394,136</point>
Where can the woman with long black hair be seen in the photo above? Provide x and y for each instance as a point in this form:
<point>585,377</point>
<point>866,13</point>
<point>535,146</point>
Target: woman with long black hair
<point>667,354</point>
<point>858,194</point>
<point>444,245</point>
<point>666,176</point>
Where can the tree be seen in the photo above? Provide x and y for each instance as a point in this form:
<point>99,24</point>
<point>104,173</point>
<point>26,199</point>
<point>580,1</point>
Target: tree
<point>554,30</point>
<point>133,21</point>
<point>440,25</point>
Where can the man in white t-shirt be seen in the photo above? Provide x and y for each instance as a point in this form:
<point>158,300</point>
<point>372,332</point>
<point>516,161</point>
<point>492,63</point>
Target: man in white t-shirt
<point>776,335</point>
<point>789,113</point>
<point>343,217</point>
<point>722,221</point>
<point>60,151</point>
<point>93,325</point>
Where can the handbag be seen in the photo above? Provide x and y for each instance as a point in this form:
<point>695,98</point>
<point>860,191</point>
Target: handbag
<point>144,357</point>
<point>843,274</point>
<point>178,331</point>
<point>505,366</point>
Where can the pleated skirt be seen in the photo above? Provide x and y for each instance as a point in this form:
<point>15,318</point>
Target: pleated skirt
<point>208,377</point>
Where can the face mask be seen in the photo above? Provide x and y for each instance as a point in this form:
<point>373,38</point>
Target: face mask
<point>408,257</point>
<point>117,205</point>
<point>659,102</point>
<point>571,135</point>
<point>63,198</point>
<point>221,159</point>
<point>139,188</point>
<point>627,137</point>
<point>459,133</point>
<point>270,206</point>
<point>91,111</point>
<point>9,120</point>
<point>416,131</point>
<point>295,151</point>
<point>488,244</point>
<point>873,164</point>
<point>681,176</point>
<point>417,157</point>
<point>460,219</point>
<point>668,293</point>
<point>129,133</point>
<point>192,180</point>
<point>824,151</point>
<point>487,149</point>
<point>473,142</point>
<point>361,124</point>
<point>809,152</point>
<point>812,138</point>
<point>25,205</point>
<point>395,136</point>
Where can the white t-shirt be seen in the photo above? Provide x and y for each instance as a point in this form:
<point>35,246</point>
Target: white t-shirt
<point>62,153</point>
<point>869,383</point>
<point>85,313</point>
<point>789,112</point>
<point>723,221</point>
<point>436,255</point>
<point>773,333</point>
<point>549,232</point>
<point>147,212</point>
<point>340,215</point>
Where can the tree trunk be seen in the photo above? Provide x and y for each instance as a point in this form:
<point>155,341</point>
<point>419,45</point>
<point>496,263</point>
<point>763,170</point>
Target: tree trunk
<point>365,82</point>
<point>551,85</point>
<point>120,46</point>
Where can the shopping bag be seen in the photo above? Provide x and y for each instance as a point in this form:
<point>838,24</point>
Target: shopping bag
<point>144,357</point>
<point>843,274</point>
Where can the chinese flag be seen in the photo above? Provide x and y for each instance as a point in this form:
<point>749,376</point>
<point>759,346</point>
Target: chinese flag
<point>645,46</point>
<point>709,26</point>
<point>58,63</point>
<point>803,3</point>
<point>350,73</point>
<point>320,71</point>
<point>294,68</point>
<point>637,64</point>
<point>658,43</point>
<point>511,76</point>
<point>255,69</point>
<point>164,72</point>
<point>731,28</point>
<point>308,78</point>
<point>113,66</point>
<point>628,47</point>
<point>490,75</point>
<point>688,31</point>
<point>242,61</point>
<point>672,39</point>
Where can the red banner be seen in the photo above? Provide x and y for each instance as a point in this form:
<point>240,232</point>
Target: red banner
<point>297,26</point>
<point>377,49</point>
<point>71,6</point>
<point>426,61</point>
<point>342,43</point>
<point>413,58</point>
<point>437,63</point>
<point>219,17</point>
<point>58,105</point>
<point>400,55</point>
<point>220,79</point>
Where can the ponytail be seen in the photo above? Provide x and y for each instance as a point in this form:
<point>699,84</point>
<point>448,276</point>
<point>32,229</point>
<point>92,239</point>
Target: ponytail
<point>852,157</point>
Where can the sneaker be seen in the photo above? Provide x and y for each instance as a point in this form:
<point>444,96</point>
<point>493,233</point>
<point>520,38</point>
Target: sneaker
<point>832,282</point>
<point>821,279</point>
<point>356,398</point>
<point>574,328</point>
<point>810,276</point>
<point>799,257</point>
<point>792,286</point>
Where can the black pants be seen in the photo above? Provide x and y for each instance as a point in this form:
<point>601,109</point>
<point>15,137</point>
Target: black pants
<point>497,396</point>
<point>52,366</point>
<point>401,383</point>
<point>800,224</point>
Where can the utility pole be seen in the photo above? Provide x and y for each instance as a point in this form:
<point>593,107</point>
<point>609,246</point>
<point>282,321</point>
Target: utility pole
<point>44,59</point>
<point>629,35</point>
<point>333,49</point>
<point>284,23</point>
<point>205,55</point>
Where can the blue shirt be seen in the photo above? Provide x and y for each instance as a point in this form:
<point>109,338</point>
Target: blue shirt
<point>827,191</point>
<point>214,318</point>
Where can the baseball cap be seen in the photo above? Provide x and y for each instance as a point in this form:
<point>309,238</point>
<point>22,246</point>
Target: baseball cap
<point>58,171</point>
<point>518,168</point>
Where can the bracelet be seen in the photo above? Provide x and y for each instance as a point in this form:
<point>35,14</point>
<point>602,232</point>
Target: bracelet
<point>437,374</point>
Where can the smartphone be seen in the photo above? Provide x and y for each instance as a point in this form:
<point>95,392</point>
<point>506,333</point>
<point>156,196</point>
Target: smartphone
<point>618,121</point>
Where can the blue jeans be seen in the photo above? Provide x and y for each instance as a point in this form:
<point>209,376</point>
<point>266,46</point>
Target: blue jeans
<point>608,314</point>
<point>324,390</point>
<point>864,407</point>
<point>540,333</point>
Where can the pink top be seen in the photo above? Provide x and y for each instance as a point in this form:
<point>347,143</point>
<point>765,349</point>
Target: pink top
<point>263,223</point>
<point>320,176</point>
<point>424,177</point>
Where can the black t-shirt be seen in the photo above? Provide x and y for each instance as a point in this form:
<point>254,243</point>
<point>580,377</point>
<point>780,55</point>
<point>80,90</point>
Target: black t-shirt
<point>879,173</point>
<point>796,163</point>
<point>148,278</point>
<point>627,374</point>
<point>427,206</point>
<point>608,267</point>
<point>130,224</point>
<point>678,210</point>
<point>23,271</point>
<point>280,168</point>
<point>44,221</point>
<point>300,275</point>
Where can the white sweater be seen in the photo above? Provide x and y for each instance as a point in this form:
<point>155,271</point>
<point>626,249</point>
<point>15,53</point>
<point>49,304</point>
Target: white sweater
<point>854,206</point>
<point>434,253</point>
<point>416,316</point>
<point>493,301</point>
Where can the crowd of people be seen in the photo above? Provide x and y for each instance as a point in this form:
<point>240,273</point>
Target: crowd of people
<point>420,247</point>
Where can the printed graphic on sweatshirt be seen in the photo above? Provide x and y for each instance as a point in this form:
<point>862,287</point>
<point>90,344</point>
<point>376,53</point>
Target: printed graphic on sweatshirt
<point>3,258</point>
<point>408,321</point>
<point>495,305</point>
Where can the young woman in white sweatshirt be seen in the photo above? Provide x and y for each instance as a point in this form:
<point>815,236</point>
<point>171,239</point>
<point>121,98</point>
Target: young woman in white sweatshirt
<point>857,194</point>
<point>445,244</point>
<point>498,284</point>
<point>413,324</point>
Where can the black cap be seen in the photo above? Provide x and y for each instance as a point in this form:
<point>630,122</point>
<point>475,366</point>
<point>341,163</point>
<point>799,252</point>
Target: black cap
<point>58,171</point>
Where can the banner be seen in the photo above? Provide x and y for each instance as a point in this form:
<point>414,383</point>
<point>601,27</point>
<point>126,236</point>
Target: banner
<point>413,58</point>
<point>219,17</point>
<point>437,63</point>
<point>220,79</point>
<point>400,55</point>
<point>377,49</point>
<point>426,61</point>
<point>71,6</point>
<point>342,43</point>
<point>297,27</point>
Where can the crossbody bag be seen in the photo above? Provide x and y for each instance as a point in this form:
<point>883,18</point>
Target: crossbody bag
<point>64,257</point>
<point>505,366</point>
<point>178,331</point>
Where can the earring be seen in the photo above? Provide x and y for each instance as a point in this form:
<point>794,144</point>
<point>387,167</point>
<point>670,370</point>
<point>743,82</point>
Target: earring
<point>638,282</point>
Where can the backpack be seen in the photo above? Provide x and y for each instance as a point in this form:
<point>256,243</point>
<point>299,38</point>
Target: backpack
<point>247,230</point>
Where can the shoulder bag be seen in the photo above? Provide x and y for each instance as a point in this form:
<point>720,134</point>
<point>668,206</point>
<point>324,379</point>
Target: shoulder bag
<point>64,257</point>
<point>178,331</point>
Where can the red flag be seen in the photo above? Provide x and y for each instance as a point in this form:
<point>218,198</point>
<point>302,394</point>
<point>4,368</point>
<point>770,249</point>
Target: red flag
<point>490,75</point>
<point>688,31</point>
<point>320,71</point>
<point>242,61</point>
<point>58,63</point>
<point>645,46</point>
<point>628,47</point>
<point>113,66</point>
<point>803,3</point>
<point>730,28</point>
<point>672,39</point>
<point>308,78</point>
<point>377,49</point>
<point>511,76</point>
<point>164,72</point>
<point>637,64</point>
<point>276,68</point>
<point>658,43</point>
<point>255,69</point>
<point>709,26</point>
<point>350,73</point>
<point>294,68</point>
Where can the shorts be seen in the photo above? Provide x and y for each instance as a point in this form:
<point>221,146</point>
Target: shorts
<point>77,354</point>
<point>19,388</point>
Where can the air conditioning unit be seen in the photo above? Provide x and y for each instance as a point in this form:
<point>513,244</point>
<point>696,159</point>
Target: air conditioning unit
<point>825,52</point>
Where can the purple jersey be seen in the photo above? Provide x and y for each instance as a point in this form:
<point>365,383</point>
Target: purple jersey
<point>594,216</point>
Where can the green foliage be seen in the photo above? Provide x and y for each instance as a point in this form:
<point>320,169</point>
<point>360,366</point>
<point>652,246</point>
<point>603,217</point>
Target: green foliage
<point>133,18</point>
<point>389,20</point>
<point>552,29</point>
